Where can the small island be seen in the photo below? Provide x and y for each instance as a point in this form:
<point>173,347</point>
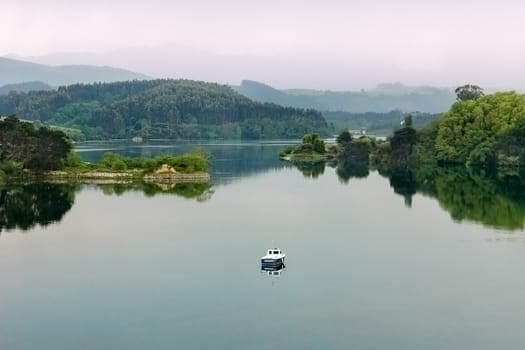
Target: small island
<point>29,153</point>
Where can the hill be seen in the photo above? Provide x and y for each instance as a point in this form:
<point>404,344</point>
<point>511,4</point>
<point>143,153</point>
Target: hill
<point>24,87</point>
<point>384,98</point>
<point>380,124</point>
<point>173,109</point>
<point>16,71</point>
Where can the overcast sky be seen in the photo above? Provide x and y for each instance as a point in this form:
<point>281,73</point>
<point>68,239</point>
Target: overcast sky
<point>417,41</point>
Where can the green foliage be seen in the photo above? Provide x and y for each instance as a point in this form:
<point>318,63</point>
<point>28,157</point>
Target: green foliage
<point>37,150</point>
<point>468,92</point>
<point>402,145</point>
<point>408,121</point>
<point>470,131</point>
<point>344,137</point>
<point>194,161</point>
<point>311,143</point>
<point>286,151</point>
<point>173,109</point>
<point>355,151</point>
<point>73,160</point>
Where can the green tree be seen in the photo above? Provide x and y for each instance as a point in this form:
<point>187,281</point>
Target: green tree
<point>468,92</point>
<point>344,137</point>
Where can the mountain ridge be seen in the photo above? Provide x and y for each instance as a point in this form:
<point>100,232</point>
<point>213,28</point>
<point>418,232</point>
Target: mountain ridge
<point>18,71</point>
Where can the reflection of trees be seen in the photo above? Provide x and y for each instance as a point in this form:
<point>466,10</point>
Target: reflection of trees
<point>403,182</point>
<point>493,199</point>
<point>199,191</point>
<point>346,170</point>
<point>310,169</point>
<point>24,206</point>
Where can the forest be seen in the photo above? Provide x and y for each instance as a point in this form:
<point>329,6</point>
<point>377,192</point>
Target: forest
<point>24,147</point>
<point>478,130</point>
<point>154,109</point>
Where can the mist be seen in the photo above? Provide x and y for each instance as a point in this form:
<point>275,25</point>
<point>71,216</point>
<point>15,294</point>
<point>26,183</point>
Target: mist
<point>311,44</point>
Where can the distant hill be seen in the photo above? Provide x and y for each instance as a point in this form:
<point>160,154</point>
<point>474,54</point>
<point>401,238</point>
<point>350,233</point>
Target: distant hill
<point>381,124</point>
<point>174,109</point>
<point>16,71</point>
<point>24,87</point>
<point>384,98</point>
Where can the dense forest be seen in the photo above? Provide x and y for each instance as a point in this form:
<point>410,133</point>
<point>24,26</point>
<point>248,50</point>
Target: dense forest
<point>477,130</point>
<point>173,109</point>
<point>22,146</point>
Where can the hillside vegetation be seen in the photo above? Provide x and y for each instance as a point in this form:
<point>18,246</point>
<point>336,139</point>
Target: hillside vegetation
<point>173,109</point>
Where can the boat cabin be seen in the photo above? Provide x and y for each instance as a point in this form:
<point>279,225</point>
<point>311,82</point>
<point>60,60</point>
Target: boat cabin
<point>274,251</point>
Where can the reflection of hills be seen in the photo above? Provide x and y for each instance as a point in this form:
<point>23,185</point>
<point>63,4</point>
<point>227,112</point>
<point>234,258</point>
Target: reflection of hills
<point>24,206</point>
<point>493,199</point>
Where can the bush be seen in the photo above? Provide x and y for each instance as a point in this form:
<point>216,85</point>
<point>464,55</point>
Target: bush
<point>119,165</point>
<point>287,151</point>
<point>11,168</point>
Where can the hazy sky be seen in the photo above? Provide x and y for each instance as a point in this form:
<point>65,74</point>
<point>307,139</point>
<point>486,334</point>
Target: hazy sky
<point>440,42</point>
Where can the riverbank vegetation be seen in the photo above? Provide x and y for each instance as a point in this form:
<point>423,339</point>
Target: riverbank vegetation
<point>486,131</point>
<point>478,130</point>
<point>27,151</point>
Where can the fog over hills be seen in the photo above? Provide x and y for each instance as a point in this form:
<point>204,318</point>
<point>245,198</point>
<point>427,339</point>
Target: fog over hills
<point>18,71</point>
<point>286,70</point>
<point>383,98</point>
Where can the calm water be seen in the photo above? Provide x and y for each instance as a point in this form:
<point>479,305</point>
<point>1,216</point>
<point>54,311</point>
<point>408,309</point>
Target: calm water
<point>427,259</point>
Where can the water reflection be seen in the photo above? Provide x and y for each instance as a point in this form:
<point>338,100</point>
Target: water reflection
<point>495,199</point>
<point>231,160</point>
<point>199,191</point>
<point>344,170</point>
<point>347,170</point>
<point>310,170</point>
<point>23,206</point>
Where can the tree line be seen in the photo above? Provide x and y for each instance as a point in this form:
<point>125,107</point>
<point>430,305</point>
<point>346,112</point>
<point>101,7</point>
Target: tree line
<point>173,109</point>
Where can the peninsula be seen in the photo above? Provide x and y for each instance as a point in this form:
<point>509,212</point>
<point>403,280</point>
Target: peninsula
<point>28,152</point>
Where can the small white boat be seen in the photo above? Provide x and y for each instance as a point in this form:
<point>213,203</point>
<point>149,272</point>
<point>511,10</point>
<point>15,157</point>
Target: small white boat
<point>274,257</point>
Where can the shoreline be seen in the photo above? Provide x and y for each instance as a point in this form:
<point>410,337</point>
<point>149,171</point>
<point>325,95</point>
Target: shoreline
<point>105,177</point>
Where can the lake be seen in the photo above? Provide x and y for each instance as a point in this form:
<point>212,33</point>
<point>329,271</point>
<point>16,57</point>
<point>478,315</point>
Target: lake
<point>406,259</point>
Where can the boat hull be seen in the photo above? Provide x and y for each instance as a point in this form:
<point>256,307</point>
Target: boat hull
<point>272,262</point>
